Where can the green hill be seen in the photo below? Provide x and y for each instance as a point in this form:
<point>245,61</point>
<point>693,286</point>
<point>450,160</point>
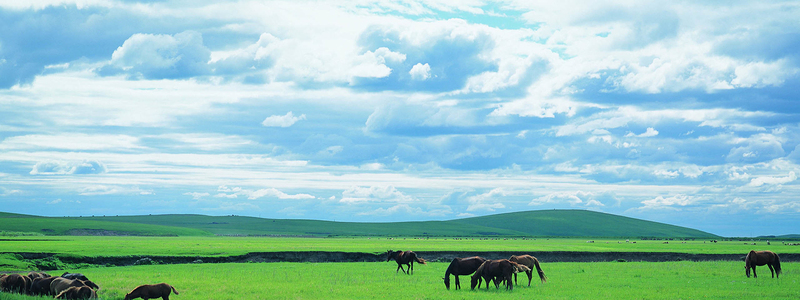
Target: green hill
<point>18,223</point>
<point>566,223</point>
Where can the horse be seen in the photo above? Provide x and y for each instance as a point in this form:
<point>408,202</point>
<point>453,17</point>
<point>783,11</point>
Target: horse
<point>461,266</point>
<point>151,291</point>
<point>77,293</point>
<point>760,258</point>
<point>60,284</point>
<point>498,271</point>
<point>41,286</point>
<point>404,258</point>
<point>69,275</point>
<point>15,283</point>
<point>530,262</point>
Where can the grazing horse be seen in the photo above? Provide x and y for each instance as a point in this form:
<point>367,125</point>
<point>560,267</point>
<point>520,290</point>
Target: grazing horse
<point>404,258</point>
<point>760,258</point>
<point>151,291</point>
<point>498,271</point>
<point>530,262</point>
<point>462,266</point>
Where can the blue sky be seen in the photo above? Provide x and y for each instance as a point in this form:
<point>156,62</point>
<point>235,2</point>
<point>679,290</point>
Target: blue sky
<point>683,112</point>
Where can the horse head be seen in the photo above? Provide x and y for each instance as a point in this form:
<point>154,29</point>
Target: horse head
<point>389,255</point>
<point>446,281</point>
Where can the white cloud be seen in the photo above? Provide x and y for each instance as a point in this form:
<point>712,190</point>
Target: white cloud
<point>420,71</point>
<point>488,201</point>
<point>234,192</point>
<point>52,167</point>
<point>72,141</point>
<point>358,194</point>
<point>649,133</point>
<point>670,203</point>
<point>286,120</point>
<point>196,195</point>
<point>157,56</point>
<point>773,180</point>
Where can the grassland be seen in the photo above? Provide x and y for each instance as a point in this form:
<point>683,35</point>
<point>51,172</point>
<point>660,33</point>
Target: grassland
<point>228,246</point>
<point>561,223</point>
<point>608,280</point>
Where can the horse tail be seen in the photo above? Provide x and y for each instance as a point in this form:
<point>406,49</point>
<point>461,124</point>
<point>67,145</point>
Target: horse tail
<point>419,260</point>
<point>777,264</point>
<point>174,290</point>
<point>542,277</point>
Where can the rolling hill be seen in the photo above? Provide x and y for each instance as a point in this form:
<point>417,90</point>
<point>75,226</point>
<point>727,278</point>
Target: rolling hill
<point>563,223</point>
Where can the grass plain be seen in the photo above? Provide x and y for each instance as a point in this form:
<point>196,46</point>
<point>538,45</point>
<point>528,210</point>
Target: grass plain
<point>378,280</point>
<point>94,246</point>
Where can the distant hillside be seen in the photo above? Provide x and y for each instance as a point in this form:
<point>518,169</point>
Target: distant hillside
<point>581,223</point>
<point>566,223</point>
<point>87,226</point>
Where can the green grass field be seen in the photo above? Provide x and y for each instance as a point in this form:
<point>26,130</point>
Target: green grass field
<point>607,280</point>
<point>227,246</point>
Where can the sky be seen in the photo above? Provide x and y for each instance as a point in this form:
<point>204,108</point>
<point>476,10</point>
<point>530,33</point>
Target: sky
<point>682,112</point>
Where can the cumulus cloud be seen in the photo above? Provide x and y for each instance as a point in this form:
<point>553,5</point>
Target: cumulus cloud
<point>235,192</point>
<point>573,198</point>
<point>159,56</point>
<point>668,203</point>
<point>773,180</point>
<point>487,202</point>
<point>68,168</point>
<point>286,120</point>
<point>420,71</point>
<point>649,133</point>
<point>358,194</point>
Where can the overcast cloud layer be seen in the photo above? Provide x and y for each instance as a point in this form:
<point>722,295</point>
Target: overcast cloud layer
<point>678,112</point>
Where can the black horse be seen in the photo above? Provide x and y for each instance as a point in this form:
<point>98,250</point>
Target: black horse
<point>404,258</point>
<point>461,266</point>
<point>760,258</point>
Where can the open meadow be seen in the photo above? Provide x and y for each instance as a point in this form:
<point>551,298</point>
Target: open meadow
<point>226,246</point>
<point>378,280</point>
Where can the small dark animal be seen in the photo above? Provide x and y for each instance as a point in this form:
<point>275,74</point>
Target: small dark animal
<point>530,262</point>
<point>41,286</point>
<point>461,266</point>
<point>151,291</point>
<point>77,293</point>
<point>74,276</point>
<point>760,258</point>
<point>404,258</point>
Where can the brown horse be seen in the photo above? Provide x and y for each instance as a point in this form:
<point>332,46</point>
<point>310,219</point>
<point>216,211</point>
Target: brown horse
<point>760,258</point>
<point>461,266</point>
<point>498,271</point>
<point>404,258</point>
<point>151,291</point>
<point>77,293</point>
<point>530,262</point>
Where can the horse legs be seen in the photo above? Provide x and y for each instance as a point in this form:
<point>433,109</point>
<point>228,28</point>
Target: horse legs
<point>530,276</point>
<point>754,272</point>
<point>411,268</point>
<point>458,283</point>
<point>399,267</point>
<point>771,270</point>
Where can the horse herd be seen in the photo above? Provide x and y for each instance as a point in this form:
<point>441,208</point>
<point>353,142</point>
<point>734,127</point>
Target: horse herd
<point>73,286</point>
<point>499,271</point>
